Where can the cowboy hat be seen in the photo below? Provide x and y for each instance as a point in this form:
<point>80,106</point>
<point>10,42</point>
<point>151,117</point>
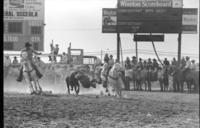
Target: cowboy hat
<point>187,57</point>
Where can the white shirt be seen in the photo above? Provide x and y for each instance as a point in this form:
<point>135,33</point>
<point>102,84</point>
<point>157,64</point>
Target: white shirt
<point>7,62</point>
<point>188,64</point>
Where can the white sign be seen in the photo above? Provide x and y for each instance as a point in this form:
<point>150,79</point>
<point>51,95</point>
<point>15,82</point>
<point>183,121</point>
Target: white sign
<point>177,3</point>
<point>23,9</point>
<point>146,3</point>
<point>150,3</point>
<point>9,38</point>
<point>189,19</point>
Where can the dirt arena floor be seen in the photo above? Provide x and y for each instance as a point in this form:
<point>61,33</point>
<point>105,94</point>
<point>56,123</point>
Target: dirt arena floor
<point>135,110</point>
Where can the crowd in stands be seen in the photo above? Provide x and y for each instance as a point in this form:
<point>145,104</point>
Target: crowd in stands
<point>129,63</point>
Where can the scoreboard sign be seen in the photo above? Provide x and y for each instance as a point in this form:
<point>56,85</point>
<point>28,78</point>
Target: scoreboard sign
<point>109,21</point>
<point>149,16</point>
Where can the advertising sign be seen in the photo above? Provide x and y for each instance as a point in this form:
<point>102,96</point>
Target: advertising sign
<point>23,9</point>
<point>109,20</point>
<point>189,20</point>
<point>149,20</point>
<point>157,38</point>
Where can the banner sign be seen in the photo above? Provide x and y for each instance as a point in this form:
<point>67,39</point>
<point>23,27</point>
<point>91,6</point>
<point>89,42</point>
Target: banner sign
<point>150,3</point>
<point>189,20</point>
<point>149,14</point>
<point>149,27</point>
<point>23,9</point>
<point>109,20</point>
<point>158,38</point>
<point>149,20</point>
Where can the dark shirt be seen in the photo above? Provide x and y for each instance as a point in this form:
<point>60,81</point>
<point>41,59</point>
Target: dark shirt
<point>166,63</point>
<point>30,52</point>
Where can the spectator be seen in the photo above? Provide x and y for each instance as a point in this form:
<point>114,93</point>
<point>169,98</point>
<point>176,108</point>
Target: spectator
<point>106,58</point>
<point>7,61</point>
<point>111,61</point>
<point>140,64</point>
<point>145,64</point>
<point>134,62</point>
<point>149,64</point>
<point>97,61</point>
<point>193,65</point>
<point>155,64</point>
<point>15,61</point>
<point>56,50</point>
<point>64,58</point>
<point>127,63</point>
<point>188,64</point>
<point>40,63</point>
<point>183,62</point>
<point>174,62</point>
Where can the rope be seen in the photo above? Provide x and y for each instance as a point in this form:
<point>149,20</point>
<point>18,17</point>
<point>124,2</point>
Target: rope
<point>121,49</point>
<point>156,52</point>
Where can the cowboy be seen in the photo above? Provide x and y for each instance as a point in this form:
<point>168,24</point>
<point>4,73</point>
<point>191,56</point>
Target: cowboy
<point>188,64</point>
<point>111,61</point>
<point>30,52</point>
<point>15,61</point>
<point>149,64</point>
<point>145,64</point>
<point>7,61</point>
<point>134,62</point>
<point>166,64</point>
<point>106,58</point>
<point>174,62</point>
<point>183,62</point>
<point>193,65</point>
<point>127,63</point>
<point>155,64</point>
<point>140,64</point>
<point>97,62</point>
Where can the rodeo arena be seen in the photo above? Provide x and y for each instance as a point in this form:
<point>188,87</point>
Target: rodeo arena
<point>75,89</point>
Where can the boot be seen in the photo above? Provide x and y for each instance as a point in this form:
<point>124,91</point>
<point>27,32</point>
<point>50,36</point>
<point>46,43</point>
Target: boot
<point>20,77</point>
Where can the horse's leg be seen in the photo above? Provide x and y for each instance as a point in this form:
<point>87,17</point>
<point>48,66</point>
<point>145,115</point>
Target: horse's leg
<point>77,89</point>
<point>38,86</point>
<point>161,86</point>
<point>31,87</point>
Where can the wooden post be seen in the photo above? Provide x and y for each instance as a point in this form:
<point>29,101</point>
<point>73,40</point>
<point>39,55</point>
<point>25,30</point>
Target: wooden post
<point>179,48</point>
<point>118,47</point>
<point>136,50</point>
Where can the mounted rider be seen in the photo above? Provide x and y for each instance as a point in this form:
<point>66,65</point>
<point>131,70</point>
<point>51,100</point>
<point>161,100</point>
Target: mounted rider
<point>149,64</point>
<point>29,52</point>
<point>155,69</point>
<point>128,63</point>
<point>187,65</point>
<point>166,64</point>
<point>140,65</point>
<point>134,62</point>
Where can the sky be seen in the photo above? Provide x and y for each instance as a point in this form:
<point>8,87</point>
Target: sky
<point>80,22</point>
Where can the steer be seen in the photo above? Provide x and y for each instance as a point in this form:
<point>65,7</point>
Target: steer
<point>77,78</point>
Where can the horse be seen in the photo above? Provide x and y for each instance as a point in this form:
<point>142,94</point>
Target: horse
<point>115,81</point>
<point>141,78</point>
<point>163,79</point>
<point>177,76</point>
<point>191,78</point>
<point>30,76</point>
